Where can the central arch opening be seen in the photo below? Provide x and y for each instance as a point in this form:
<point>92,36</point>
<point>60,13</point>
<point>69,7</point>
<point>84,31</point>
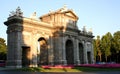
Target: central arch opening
<point>69,52</point>
<point>42,52</point>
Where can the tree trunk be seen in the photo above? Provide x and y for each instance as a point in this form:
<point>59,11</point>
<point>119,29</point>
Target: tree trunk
<point>100,58</point>
<point>106,58</point>
<point>117,58</point>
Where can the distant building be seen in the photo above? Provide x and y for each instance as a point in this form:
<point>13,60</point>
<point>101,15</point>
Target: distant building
<point>52,39</point>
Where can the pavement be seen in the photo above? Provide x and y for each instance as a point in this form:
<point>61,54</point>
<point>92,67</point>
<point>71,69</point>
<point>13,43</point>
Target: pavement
<point>4,68</point>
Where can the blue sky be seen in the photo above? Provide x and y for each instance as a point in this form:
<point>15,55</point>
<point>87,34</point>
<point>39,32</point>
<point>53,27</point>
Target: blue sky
<point>101,15</point>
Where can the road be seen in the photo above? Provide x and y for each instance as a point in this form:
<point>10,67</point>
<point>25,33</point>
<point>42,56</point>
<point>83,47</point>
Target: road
<point>3,72</point>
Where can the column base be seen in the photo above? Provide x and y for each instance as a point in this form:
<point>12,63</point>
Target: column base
<point>60,62</point>
<point>14,64</point>
<point>51,63</point>
<point>63,62</point>
<point>77,62</point>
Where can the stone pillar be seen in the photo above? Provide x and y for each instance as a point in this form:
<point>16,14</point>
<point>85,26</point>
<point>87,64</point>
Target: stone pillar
<point>14,48</point>
<point>18,50</point>
<point>34,50</point>
<point>34,54</point>
<point>55,50</point>
<point>85,53</point>
<point>50,51</point>
<point>76,52</point>
<point>14,36</point>
<point>64,51</point>
<point>58,50</point>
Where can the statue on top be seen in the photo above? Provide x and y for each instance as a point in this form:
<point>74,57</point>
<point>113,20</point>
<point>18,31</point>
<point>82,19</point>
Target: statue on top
<point>18,12</point>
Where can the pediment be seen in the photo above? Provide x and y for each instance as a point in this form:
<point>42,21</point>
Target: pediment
<point>71,14</point>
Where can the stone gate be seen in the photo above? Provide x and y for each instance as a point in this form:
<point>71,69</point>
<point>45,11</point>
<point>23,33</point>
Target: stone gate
<point>52,39</point>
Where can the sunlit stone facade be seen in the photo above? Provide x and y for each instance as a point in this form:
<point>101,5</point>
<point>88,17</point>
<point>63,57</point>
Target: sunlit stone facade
<point>53,39</point>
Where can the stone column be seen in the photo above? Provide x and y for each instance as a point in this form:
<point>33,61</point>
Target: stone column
<point>14,53</point>
<point>33,48</point>
<point>14,36</point>
<point>34,52</point>
<point>85,53</point>
<point>58,50</point>
<point>64,51</point>
<point>76,52</point>
<point>50,51</point>
<point>18,50</point>
<point>60,47</point>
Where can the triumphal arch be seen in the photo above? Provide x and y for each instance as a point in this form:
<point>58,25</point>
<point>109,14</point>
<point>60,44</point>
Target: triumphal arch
<point>52,39</point>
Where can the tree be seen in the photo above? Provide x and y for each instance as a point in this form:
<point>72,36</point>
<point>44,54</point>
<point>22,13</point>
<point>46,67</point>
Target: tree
<point>108,48</point>
<point>97,50</point>
<point>116,42</point>
<point>3,48</point>
<point>106,45</point>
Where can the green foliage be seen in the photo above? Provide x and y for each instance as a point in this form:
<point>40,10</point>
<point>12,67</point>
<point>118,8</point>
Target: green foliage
<point>108,47</point>
<point>97,50</point>
<point>3,48</point>
<point>106,44</point>
<point>116,41</point>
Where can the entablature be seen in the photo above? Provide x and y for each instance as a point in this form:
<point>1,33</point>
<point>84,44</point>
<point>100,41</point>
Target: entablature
<point>36,23</point>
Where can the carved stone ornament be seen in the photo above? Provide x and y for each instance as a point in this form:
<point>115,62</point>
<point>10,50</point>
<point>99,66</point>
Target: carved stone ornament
<point>33,16</point>
<point>18,12</point>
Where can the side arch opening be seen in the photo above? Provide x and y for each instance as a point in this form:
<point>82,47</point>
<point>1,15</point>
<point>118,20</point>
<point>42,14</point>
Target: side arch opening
<point>42,51</point>
<point>69,52</point>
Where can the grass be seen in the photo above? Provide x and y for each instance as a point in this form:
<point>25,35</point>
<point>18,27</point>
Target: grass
<point>76,69</point>
<point>96,69</point>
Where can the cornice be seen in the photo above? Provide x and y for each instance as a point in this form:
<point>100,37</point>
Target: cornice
<point>86,35</point>
<point>13,19</point>
<point>37,23</point>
